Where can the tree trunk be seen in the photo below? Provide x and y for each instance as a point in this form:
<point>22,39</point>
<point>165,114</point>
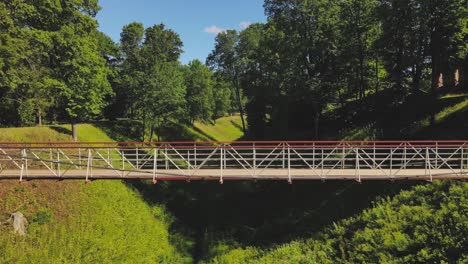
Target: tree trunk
<point>416,78</point>
<point>435,64</point>
<point>74,131</point>
<point>39,117</point>
<point>377,81</point>
<point>241,110</point>
<point>361,74</point>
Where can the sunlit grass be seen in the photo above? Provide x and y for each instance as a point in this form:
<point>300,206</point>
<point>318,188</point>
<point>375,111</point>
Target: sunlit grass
<point>29,134</point>
<point>440,116</point>
<point>99,222</point>
<point>225,128</point>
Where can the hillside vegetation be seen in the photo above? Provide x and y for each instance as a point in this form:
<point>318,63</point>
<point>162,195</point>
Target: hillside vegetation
<point>427,224</point>
<point>73,222</point>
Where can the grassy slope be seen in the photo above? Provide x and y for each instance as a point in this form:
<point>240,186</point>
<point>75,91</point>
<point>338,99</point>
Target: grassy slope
<point>224,129</point>
<point>73,222</point>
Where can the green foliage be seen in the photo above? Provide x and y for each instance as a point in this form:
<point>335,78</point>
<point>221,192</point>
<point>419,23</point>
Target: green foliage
<point>43,216</point>
<point>222,94</point>
<point>50,59</point>
<point>151,83</point>
<point>427,224</point>
<point>199,97</point>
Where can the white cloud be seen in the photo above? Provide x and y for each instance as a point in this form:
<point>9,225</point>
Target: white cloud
<point>214,30</point>
<point>244,24</point>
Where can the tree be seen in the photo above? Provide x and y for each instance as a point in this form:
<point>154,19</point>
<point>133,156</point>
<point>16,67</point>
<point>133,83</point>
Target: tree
<point>253,81</point>
<point>164,97</point>
<point>358,31</point>
<point>56,61</point>
<point>225,59</point>
<point>151,83</point>
<point>308,32</point>
<point>199,97</point>
<point>222,96</point>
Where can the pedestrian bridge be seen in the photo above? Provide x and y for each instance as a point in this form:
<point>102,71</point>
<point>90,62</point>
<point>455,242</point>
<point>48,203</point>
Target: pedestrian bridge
<point>241,160</point>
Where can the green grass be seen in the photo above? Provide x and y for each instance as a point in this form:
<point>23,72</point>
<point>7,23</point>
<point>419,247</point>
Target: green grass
<point>73,222</point>
<point>439,117</point>
<point>225,128</point>
<point>28,134</point>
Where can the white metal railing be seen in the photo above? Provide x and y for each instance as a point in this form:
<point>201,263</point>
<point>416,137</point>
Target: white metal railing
<point>251,159</point>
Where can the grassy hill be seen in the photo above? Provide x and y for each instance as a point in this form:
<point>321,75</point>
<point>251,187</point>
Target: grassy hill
<point>224,129</point>
<point>73,222</point>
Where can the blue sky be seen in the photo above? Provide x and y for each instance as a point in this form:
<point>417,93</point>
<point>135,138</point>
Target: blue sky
<point>196,21</point>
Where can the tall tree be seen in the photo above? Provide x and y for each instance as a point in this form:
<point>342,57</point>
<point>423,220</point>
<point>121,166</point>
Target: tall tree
<point>199,97</point>
<point>224,58</point>
<point>358,30</point>
<point>308,54</point>
<point>222,96</point>
<point>58,54</point>
<point>151,83</point>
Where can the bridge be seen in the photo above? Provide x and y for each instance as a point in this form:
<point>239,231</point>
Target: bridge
<point>242,160</point>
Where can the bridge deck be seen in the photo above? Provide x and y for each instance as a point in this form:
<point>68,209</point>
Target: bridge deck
<point>239,174</point>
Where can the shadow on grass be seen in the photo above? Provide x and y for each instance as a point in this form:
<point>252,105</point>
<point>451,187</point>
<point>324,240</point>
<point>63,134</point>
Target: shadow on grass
<point>263,213</point>
<point>62,130</point>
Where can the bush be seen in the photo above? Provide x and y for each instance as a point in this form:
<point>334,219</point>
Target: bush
<point>43,216</point>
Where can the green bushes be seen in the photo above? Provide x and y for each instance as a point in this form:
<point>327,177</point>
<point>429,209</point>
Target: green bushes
<point>428,224</point>
<point>43,216</point>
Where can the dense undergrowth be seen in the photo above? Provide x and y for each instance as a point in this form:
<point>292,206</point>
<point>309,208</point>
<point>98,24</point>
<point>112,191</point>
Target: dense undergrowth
<point>427,224</point>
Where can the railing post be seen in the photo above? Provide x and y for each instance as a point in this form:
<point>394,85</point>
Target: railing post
<point>195,155</point>
<point>88,166</point>
<point>428,161</point>
<point>322,161</point>
<point>79,157</point>
<point>313,155</point>
<point>404,158</point>
<point>343,158</point>
<point>155,165</point>
<point>221,164</point>
<point>375,162</point>
<point>461,165</point>
<point>166,159</point>
<point>23,164</point>
<point>58,163</point>
<point>284,156</point>
<point>188,159</point>
<point>51,158</point>
<point>254,160</point>
<point>123,162</point>
<point>137,159</point>
<point>391,162</point>
<point>358,168</point>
